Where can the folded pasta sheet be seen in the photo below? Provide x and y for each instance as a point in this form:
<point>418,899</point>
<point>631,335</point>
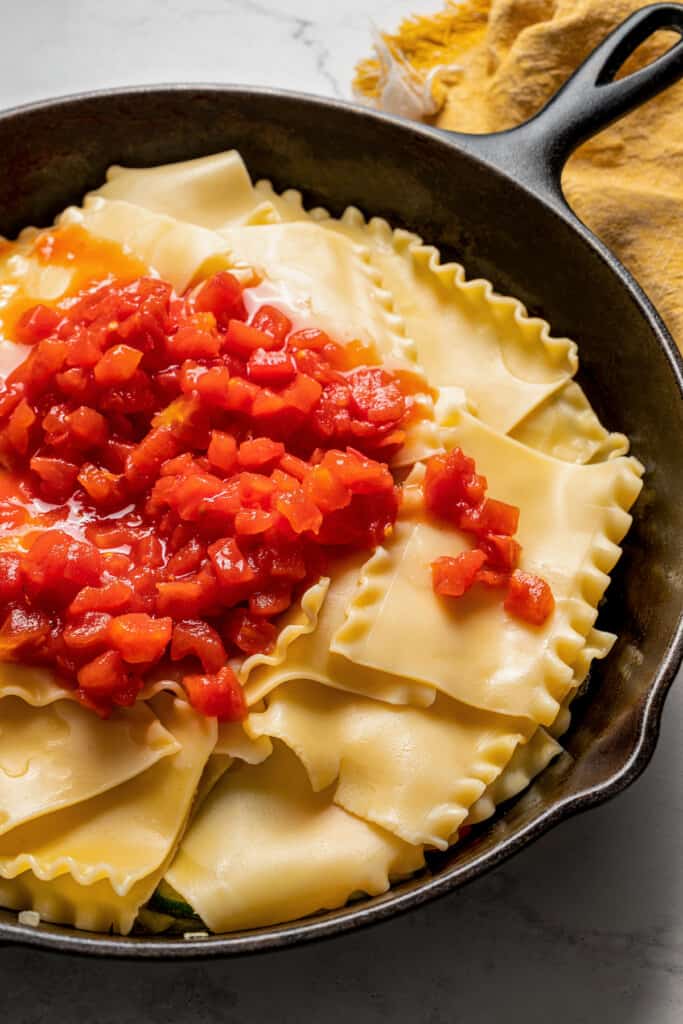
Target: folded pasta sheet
<point>326,280</point>
<point>265,848</point>
<point>572,520</point>
<point>61,754</point>
<point>178,251</point>
<point>414,771</point>
<point>126,833</point>
<point>212,191</point>
<point>303,650</point>
<point>462,326</point>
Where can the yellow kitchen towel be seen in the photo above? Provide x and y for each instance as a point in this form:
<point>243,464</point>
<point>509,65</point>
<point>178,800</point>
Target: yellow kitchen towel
<point>498,61</point>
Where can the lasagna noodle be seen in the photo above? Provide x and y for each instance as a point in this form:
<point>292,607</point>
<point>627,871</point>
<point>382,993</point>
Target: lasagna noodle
<point>95,907</point>
<point>236,741</point>
<point>178,251</point>
<point>526,763</point>
<point>213,191</point>
<point>566,427</point>
<point>62,754</point>
<point>413,771</point>
<point>459,326</point>
<point>264,848</point>
<point>328,281</point>
<point>531,758</point>
<point>572,520</point>
<point>303,651</point>
<point>35,686</point>
<point>126,833</point>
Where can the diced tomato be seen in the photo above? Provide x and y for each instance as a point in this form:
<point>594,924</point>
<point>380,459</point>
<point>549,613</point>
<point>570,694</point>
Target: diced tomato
<point>88,634</point>
<point>326,490</point>
<point>273,601</point>
<point>490,517</point>
<point>502,553</point>
<point>112,597</point>
<point>102,676</point>
<point>251,635</point>
<point>529,598</point>
<point>452,485</point>
<point>76,383</point>
<point>185,599</point>
<point>57,566</point>
<point>222,296</point>
<point>35,324</point>
<point>302,394</point>
<point>57,475</point>
<point>299,511</point>
<point>115,563</point>
<point>241,339</point>
<point>229,563</point>
<point>104,488</point>
<point>308,338</point>
<point>191,342</point>
<point>251,521</point>
<point>10,396</point>
<point>198,638</point>
<point>451,577</point>
<point>240,395</point>
<point>140,638</point>
<point>18,431</point>
<point>117,365</point>
<point>217,696</point>
<point>255,489</point>
<point>87,427</point>
<point>222,451</point>
<point>22,630</point>
<point>272,321</point>
<point>11,585</point>
<point>267,404</point>
<point>270,368</point>
<point>294,466</point>
<point>187,559</point>
<point>360,474</point>
<point>259,452</point>
<point>46,359</point>
<point>147,457</point>
<point>375,396</point>
<point>492,578</point>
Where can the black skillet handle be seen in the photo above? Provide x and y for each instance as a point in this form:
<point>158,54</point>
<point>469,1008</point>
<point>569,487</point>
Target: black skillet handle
<point>536,151</point>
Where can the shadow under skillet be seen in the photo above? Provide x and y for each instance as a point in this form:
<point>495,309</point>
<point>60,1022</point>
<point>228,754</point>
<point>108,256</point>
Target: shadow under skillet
<point>584,926</point>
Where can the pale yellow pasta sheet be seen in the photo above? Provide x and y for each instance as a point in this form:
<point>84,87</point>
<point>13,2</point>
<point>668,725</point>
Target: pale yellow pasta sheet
<point>212,191</point>
<point>303,650</point>
<point>414,771</point>
<point>572,520</point>
<point>265,848</point>
<point>177,251</point>
<point>62,754</point>
<point>126,833</point>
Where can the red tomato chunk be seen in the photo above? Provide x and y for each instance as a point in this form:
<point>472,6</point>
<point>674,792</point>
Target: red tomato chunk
<point>454,491</point>
<point>182,471</point>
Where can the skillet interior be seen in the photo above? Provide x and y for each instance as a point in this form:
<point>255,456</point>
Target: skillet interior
<point>50,154</point>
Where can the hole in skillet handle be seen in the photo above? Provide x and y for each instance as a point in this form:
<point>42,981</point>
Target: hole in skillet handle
<point>535,152</point>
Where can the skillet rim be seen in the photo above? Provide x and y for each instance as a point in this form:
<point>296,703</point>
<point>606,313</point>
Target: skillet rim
<point>548,193</point>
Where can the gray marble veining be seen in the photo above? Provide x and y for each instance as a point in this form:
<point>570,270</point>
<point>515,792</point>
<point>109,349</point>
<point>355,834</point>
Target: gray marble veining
<point>587,926</point>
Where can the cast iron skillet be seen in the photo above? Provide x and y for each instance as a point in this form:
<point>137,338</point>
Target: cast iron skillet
<point>494,202</point>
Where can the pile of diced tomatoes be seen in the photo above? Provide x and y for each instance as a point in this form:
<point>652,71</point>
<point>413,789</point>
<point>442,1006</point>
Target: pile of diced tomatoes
<point>177,474</point>
<point>455,492</point>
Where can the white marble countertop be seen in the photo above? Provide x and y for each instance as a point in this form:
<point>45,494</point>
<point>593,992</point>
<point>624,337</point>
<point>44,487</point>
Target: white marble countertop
<point>586,926</point>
